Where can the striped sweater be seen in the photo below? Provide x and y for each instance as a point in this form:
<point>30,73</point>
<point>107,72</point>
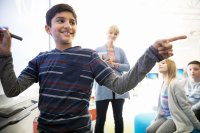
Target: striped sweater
<point>65,79</point>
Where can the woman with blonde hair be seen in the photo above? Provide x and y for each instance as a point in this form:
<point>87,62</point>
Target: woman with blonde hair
<point>174,114</point>
<point>115,57</point>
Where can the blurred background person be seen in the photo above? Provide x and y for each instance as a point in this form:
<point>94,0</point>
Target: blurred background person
<point>116,58</point>
<point>192,86</point>
<point>174,112</point>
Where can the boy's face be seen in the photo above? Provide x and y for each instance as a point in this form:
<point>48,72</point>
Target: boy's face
<point>193,71</point>
<point>63,28</point>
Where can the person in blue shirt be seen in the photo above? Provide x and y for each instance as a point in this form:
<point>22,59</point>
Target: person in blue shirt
<point>115,57</point>
<point>66,73</point>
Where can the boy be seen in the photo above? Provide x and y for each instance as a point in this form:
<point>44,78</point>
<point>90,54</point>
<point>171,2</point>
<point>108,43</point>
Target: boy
<point>66,74</point>
<point>192,86</point>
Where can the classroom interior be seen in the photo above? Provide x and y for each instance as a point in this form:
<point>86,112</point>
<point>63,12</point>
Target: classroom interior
<point>140,24</point>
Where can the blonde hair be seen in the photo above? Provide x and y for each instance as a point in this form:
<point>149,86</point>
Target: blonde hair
<point>171,66</point>
<point>114,29</point>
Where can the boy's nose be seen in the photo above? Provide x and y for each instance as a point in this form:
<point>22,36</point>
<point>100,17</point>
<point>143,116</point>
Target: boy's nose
<point>67,24</point>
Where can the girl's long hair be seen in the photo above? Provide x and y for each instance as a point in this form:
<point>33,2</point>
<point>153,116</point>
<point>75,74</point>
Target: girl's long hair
<point>171,66</point>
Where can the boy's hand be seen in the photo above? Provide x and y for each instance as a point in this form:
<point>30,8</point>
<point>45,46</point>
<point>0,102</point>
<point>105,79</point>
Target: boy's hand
<point>164,47</point>
<point>5,42</point>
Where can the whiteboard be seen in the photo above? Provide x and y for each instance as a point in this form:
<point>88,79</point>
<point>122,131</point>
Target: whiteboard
<point>25,18</point>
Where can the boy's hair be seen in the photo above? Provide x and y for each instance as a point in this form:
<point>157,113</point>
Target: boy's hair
<point>57,9</point>
<point>194,62</point>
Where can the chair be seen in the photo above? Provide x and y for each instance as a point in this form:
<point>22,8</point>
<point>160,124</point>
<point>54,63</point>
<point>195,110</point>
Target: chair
<point>142,121</point>
<point>195,131</point>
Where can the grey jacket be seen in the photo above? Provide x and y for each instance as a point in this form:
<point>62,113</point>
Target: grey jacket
<point>180,108</point>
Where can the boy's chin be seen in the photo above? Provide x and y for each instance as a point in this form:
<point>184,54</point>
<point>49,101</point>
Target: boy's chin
<point>67,43</point>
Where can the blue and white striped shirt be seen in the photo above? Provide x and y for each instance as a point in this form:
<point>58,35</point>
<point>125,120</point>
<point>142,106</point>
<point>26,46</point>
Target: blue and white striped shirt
<point>164,102</point>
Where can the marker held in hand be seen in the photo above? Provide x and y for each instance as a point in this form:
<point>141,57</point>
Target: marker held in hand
<point>11,34</point>
<point>16,37</point>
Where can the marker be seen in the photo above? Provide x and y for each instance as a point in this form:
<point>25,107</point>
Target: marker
<point>16,37</point>
<point>12,35</point>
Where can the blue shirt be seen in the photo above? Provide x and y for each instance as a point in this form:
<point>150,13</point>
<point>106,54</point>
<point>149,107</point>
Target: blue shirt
<point>104,93</point>
<point>164,102</point>
<point>193,91</point>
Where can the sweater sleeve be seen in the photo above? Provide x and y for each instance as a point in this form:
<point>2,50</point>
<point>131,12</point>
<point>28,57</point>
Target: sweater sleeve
<point>196,106</point>
<point>126,82</point>
<point>12,85</point>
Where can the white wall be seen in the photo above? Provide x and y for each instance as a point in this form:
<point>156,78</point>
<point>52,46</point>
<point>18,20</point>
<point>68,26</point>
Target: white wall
<point>141,23</point>
<point>25,18</point>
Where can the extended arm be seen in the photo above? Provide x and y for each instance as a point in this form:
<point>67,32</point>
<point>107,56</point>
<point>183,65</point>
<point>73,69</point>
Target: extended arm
<point>126,82</point>
<point>160,50</point>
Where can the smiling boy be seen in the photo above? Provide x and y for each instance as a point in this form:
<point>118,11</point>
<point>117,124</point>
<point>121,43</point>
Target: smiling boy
<point>66,73</point>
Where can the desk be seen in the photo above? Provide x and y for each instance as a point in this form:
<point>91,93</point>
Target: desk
<point>23,126</point>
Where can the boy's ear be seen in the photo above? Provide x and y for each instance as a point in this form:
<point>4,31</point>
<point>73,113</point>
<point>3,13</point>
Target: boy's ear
<point>47,28</point>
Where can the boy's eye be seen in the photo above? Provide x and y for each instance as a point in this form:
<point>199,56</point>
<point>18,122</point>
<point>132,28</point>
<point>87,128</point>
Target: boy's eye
<point>196,69</point>
<point>60,21</point>
<point>72,22</point>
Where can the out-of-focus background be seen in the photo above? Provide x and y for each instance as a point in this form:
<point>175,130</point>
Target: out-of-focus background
<point>140,23</point>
